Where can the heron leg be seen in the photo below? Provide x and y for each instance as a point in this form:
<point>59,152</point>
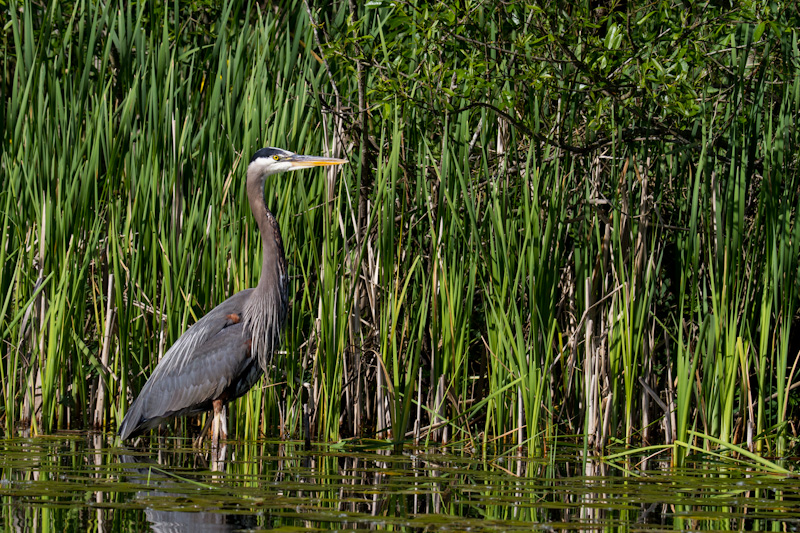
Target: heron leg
<point>219,427</point>
<point>219,435</point>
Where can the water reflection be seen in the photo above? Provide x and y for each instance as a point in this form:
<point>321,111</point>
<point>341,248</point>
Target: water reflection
<point>140,470</point>
<point>79,483</point>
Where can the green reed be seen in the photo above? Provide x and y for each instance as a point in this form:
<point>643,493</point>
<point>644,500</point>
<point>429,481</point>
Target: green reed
<point>470,276</point>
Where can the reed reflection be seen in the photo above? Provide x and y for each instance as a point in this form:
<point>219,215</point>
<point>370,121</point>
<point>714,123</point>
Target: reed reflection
<point>165,490</point>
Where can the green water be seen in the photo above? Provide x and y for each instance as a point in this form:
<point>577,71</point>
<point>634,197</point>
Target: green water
<point>84,483</point>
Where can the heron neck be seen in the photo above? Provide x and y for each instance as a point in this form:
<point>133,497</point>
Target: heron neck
<point>273,259</point>
<point>265,311</point>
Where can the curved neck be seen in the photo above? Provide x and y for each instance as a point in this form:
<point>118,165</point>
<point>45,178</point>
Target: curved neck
<point>265,310</point>
<point>273,259</point>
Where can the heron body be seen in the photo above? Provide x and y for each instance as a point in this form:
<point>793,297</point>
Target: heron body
<point>226,352</point>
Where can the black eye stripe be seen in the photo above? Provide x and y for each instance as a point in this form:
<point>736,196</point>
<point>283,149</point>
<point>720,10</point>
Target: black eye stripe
<point>271,153</point>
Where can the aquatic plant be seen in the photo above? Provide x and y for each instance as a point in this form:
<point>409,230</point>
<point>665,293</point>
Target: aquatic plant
<point>555,221</point>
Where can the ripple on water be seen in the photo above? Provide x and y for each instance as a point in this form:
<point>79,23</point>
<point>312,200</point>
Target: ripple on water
<point>82,482</point>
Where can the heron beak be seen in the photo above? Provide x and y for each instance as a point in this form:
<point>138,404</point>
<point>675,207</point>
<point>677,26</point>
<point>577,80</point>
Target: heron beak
<point>308,161</point>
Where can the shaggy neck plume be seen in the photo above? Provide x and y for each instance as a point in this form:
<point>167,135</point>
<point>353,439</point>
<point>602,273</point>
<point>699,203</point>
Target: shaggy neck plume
<point>265,310</point>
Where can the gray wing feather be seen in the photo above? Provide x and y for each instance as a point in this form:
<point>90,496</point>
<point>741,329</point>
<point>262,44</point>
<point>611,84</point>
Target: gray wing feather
<point>201,365</point>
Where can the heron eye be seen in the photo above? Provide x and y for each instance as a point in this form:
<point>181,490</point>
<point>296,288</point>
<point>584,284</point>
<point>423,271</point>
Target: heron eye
<point>276,157</point>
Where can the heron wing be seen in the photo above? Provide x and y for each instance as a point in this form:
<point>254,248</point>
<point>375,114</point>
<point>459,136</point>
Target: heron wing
<point>208,358</point>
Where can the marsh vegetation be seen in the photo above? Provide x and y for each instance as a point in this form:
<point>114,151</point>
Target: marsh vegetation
<point>558,221</point>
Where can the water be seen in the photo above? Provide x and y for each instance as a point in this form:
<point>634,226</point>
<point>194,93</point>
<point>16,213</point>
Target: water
<point>83,483</point>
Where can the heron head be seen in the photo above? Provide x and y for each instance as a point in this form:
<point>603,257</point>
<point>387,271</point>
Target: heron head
<point>268,161</point>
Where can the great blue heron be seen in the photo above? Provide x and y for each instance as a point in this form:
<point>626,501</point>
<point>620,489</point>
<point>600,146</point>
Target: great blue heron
<point>225,353</point>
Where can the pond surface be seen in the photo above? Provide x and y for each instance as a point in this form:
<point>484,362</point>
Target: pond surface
<point>83,483</point>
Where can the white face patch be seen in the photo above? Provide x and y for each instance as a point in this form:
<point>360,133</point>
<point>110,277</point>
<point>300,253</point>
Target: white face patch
<point>268,161</point>
<point>267,166</point>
